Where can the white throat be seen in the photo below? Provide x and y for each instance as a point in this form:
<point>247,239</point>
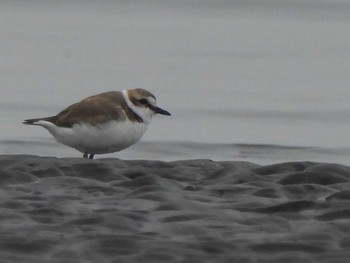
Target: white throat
<point>145,113</point>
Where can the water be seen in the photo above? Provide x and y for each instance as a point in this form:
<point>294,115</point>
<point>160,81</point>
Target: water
<point>262,81</point>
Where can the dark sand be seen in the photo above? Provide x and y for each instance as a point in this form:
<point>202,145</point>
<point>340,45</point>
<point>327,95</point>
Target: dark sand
<point>109,210</point>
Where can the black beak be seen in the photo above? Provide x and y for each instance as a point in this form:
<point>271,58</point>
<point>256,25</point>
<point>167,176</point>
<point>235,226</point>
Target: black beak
<point>161,111</point>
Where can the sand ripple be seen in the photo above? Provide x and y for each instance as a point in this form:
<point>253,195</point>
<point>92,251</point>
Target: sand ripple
<point>109,210</point>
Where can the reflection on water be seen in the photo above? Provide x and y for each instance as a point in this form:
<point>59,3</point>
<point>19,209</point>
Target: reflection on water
<point>170,151</point>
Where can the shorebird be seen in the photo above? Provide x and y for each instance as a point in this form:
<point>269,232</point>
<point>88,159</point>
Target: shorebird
<point>104,123</point>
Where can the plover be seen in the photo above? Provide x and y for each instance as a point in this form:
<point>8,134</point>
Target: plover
<point>103,123</point>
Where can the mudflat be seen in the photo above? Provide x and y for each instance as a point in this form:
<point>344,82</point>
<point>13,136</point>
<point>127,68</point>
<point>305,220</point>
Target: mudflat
<point>110,210</point>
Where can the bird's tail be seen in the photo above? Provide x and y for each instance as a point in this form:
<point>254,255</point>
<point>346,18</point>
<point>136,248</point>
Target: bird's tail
<point>31,121</point>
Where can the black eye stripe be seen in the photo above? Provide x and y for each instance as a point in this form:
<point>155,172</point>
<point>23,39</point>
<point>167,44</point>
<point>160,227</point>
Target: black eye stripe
<point>143,101</point>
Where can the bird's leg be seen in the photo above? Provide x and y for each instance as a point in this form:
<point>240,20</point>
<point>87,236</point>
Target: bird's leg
<point>91,156</point>
<point>85,155</point>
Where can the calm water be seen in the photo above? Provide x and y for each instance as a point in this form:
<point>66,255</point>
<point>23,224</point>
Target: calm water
<point>261,81</point>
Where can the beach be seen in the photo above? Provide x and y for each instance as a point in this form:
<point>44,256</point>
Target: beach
<point>111,210</point>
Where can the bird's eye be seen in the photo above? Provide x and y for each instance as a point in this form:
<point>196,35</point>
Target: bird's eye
<point>143,101</point>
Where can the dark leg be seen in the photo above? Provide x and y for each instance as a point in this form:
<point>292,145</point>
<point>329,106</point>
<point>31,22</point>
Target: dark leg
<point>85,155</point>
<point>91,156</point>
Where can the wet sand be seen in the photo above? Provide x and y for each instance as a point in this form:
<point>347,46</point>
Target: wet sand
<point>110,210</point>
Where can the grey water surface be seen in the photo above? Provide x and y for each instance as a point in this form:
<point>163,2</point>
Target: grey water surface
<point>262,81</point>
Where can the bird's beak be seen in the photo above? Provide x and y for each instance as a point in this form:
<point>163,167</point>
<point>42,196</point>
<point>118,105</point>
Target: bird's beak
<point>161,111</point>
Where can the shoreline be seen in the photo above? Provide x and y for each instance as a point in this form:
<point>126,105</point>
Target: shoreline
<point>263,154</point>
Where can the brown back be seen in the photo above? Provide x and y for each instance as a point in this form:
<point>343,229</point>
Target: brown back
<point>95,110</point>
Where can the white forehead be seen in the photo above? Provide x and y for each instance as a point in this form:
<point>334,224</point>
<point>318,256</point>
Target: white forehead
<point>152,101</point>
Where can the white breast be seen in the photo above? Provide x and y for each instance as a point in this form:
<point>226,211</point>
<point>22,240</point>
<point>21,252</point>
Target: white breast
<point>106,138</point>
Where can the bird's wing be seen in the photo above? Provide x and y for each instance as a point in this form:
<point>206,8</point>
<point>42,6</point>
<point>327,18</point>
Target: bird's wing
<point>93,110</point>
